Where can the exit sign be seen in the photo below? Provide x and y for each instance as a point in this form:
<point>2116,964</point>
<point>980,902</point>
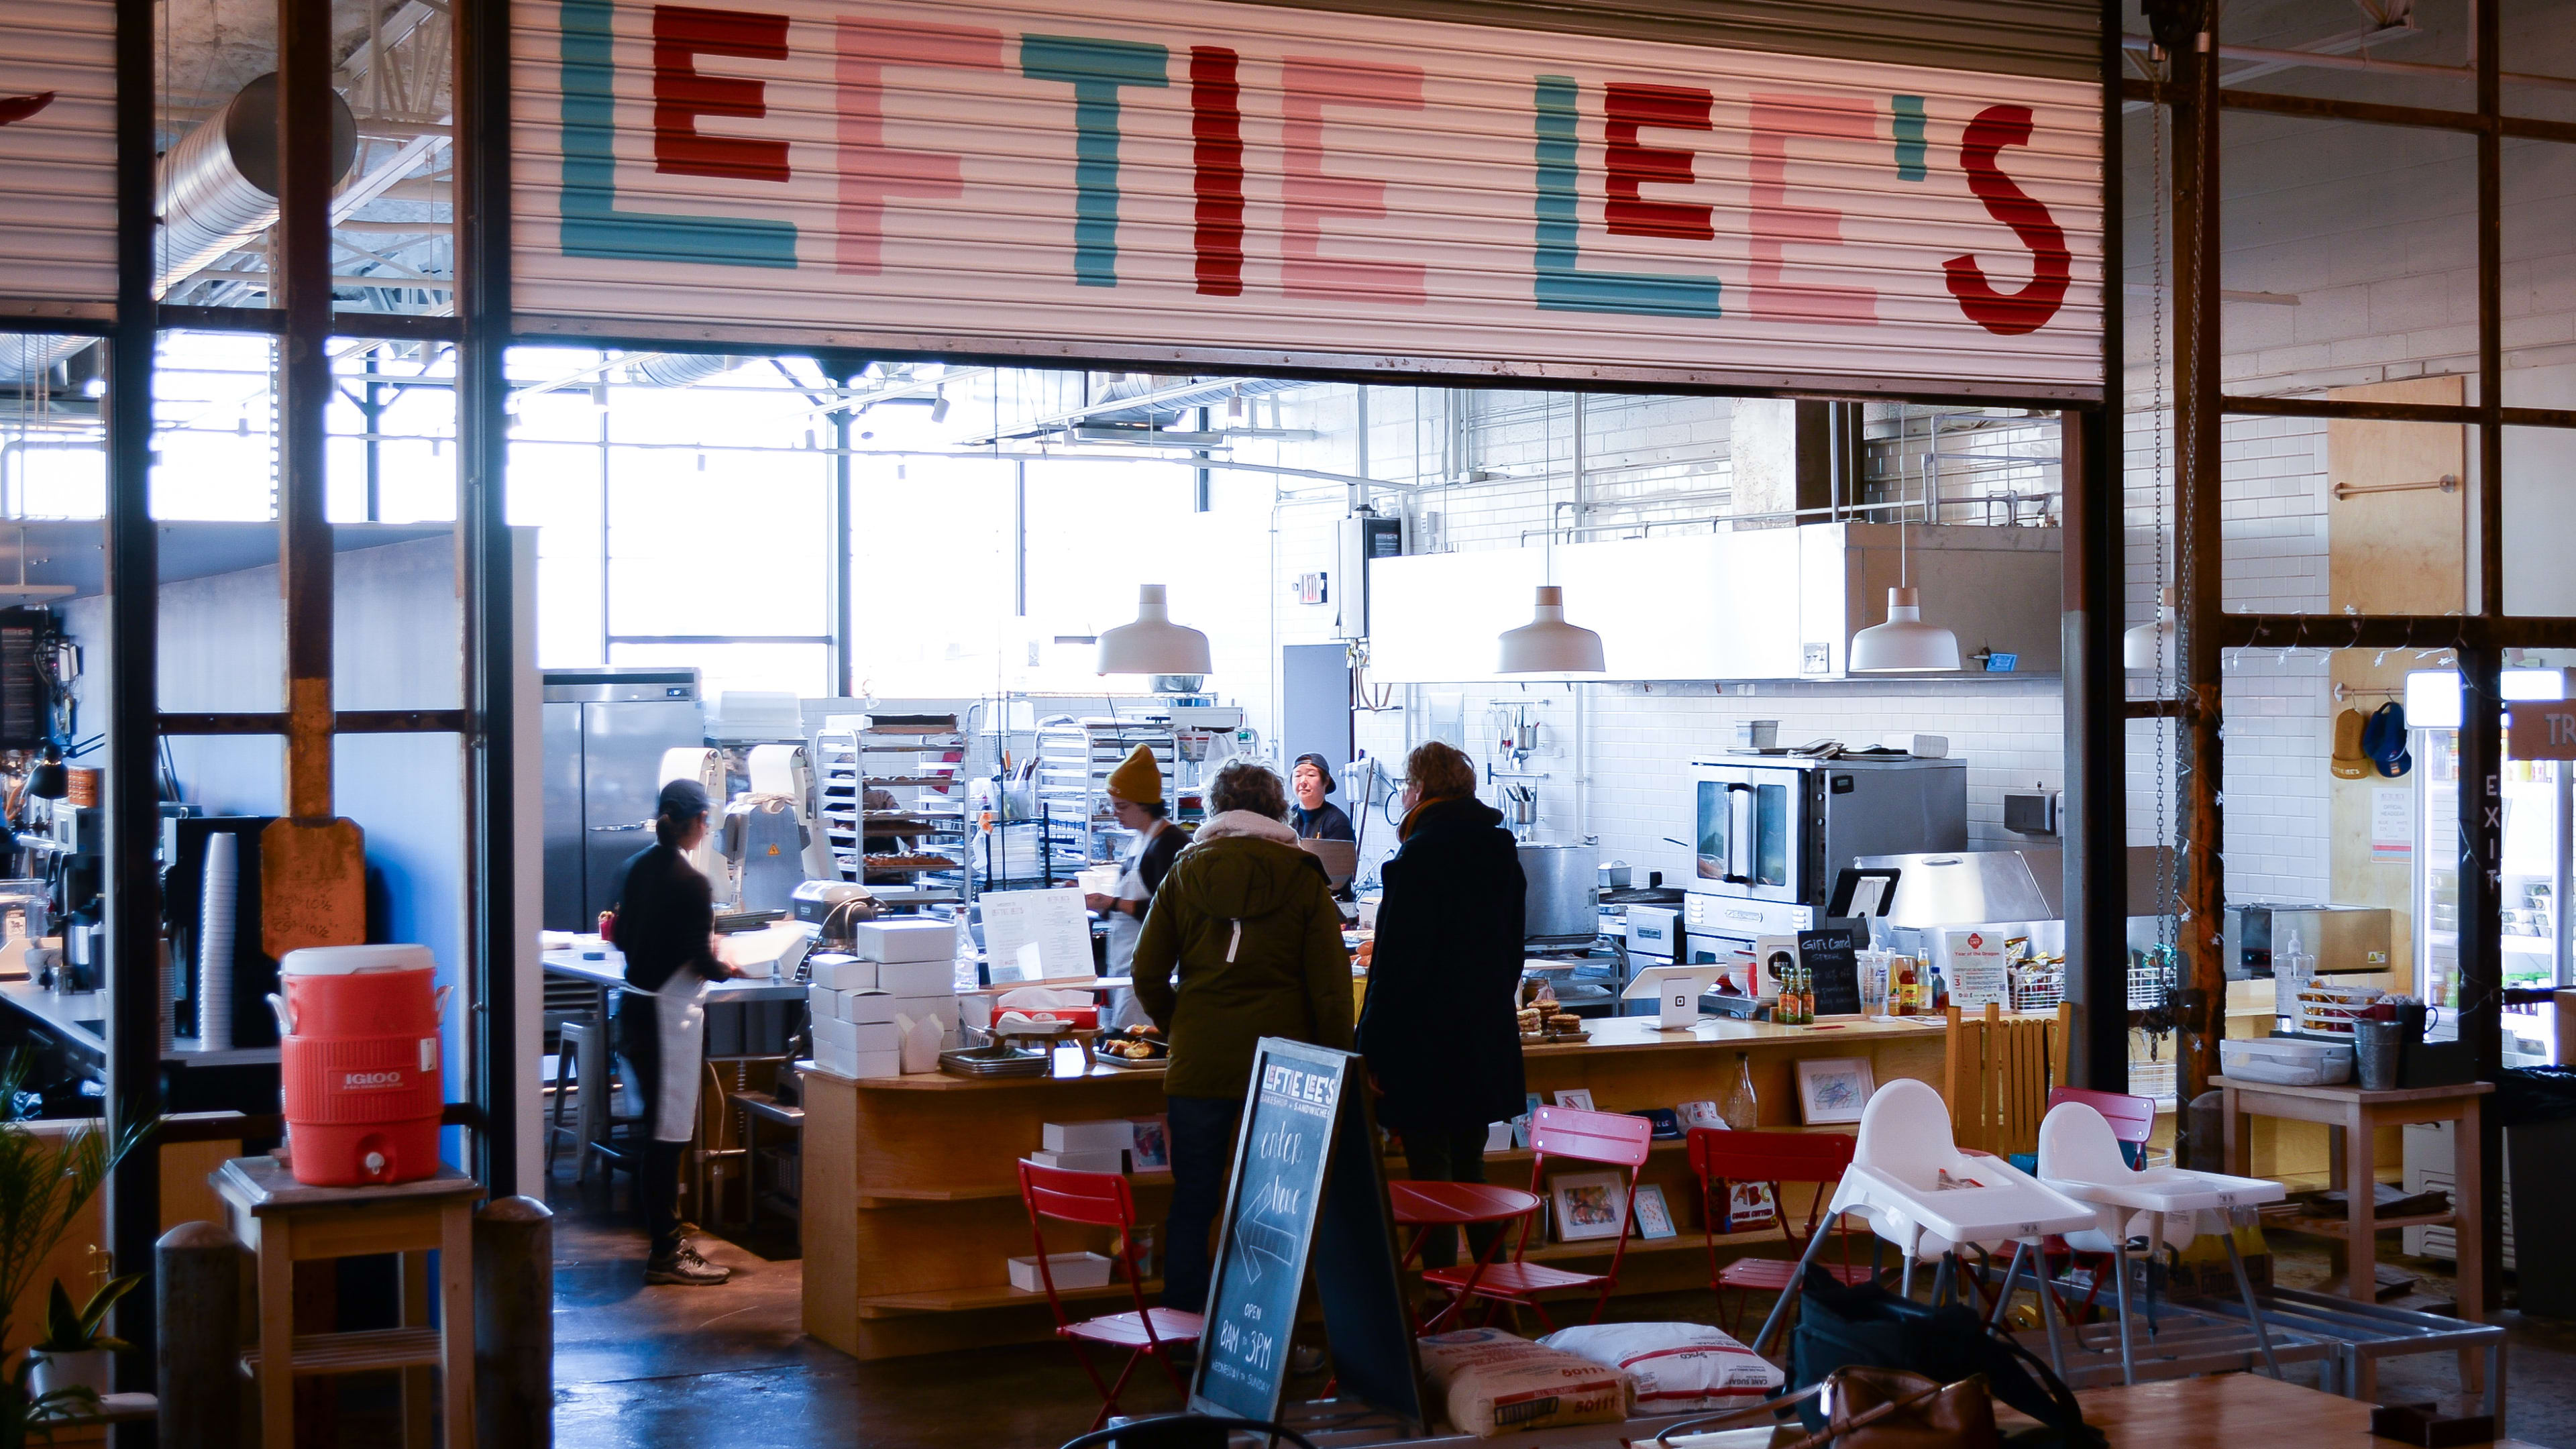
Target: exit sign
<point>2543,730</point>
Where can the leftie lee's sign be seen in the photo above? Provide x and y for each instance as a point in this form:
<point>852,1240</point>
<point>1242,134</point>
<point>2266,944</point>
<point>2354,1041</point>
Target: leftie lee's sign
<point>1246,184</point>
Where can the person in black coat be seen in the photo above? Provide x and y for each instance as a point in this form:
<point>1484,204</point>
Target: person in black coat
<point>1439,1029</point>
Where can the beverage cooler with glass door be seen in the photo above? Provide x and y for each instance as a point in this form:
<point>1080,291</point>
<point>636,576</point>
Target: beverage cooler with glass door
<point>2536,796</point>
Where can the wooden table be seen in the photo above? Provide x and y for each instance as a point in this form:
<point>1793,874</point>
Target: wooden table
<point>2359,1115</point>
<point>2228,1411</point>
<point>283,1222</point>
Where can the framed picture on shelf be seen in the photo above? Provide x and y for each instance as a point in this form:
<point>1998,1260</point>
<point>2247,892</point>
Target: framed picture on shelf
<point>1151,1149</point>
<point>1576,1097</point>
<point>1654,1217</point>
<point>1587,1204</point>
<point>1833,1089</point>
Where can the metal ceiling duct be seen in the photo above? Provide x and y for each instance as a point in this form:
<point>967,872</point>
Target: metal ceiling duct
<point>219,184</point>
<point>1171,399</point>
<point>25,356</point>
<point>680,369</point>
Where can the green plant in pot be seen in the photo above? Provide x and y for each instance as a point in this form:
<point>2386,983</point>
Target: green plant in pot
<point>45,1183</point>
<point>77,1352</point>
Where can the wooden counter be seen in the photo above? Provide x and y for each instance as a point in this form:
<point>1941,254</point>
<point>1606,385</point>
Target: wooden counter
<point>911,1194</point>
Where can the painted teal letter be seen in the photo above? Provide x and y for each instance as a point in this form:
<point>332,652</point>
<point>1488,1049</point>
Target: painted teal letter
<point>1563,285</point>
<point>592,224</point>
<point>1095,69</point>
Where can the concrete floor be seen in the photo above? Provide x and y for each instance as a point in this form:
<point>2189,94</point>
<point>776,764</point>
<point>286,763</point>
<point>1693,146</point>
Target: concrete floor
<point>714,1368</point>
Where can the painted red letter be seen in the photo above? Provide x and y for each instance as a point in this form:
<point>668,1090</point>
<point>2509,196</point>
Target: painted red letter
<point>2029,309</point>
<point>1216,169</point>
<point>682,33</point>
<point>1667,108</point>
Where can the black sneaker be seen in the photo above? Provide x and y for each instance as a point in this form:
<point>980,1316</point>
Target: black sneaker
<point>685,1269</point>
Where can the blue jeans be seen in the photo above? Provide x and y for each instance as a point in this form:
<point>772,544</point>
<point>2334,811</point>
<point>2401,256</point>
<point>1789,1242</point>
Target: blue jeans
<point>1202,1146</point>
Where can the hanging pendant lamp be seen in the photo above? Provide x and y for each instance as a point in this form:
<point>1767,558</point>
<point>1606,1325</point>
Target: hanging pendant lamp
<point>2150,647</point>
<point>1549,645</point>
<point>1904,644</point>
<point>1153,644</point>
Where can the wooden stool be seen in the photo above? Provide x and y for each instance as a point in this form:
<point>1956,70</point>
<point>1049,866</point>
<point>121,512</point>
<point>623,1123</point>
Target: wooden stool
<point>283,1223</point>
<point>573,1058</point>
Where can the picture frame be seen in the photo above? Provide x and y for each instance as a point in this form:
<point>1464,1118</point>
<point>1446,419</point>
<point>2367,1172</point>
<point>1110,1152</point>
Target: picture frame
<point>1587,1205</point>
<point>1833,1089</point>
<point>1654,1215</point>
<point>1749,1205</point>
<point>1150,1148</point>
<point>1576,1097</point>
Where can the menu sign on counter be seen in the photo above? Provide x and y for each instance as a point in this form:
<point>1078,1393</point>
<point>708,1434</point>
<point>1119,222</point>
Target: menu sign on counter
<point>1305,1165</point>
<point>1833,972</point>
<point>1976,969</point>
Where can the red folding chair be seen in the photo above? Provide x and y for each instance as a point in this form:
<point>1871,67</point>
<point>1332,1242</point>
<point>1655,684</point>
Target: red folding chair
<point>2133,1121</point>
<point>1102,1200</point>
<point>1563,1134</point>
<point>1719,1157</point>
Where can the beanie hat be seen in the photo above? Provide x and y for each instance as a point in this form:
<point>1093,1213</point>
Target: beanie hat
<point>2349,762</point>
<point>1138,781</point>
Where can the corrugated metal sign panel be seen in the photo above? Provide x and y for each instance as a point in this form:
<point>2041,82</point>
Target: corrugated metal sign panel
<point>1246,186</point>
<point>2060,38</point>
<point>57,157</point>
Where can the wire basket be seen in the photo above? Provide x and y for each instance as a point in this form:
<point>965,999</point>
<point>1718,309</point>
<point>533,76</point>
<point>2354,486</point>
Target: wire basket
<point>2146,983</point>
<point>2039,992</point>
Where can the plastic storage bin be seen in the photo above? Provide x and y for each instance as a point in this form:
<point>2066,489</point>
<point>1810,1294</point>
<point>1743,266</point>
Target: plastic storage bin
<point>2286,1061</point>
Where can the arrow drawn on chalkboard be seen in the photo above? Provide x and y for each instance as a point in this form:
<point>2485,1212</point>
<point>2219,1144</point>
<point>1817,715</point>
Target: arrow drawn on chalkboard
<point>19,108</point>
<point>1262,1239</point>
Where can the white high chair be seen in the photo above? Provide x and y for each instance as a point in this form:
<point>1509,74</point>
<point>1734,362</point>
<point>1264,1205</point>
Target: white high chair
<point>2079,1157</point>
<point>1916,1189</point>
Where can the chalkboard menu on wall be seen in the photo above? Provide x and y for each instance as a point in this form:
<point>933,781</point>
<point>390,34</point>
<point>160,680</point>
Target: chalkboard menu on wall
<point>1305,1155</point>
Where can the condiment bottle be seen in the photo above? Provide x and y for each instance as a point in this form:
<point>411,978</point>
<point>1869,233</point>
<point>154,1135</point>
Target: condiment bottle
<point>1900,995</point>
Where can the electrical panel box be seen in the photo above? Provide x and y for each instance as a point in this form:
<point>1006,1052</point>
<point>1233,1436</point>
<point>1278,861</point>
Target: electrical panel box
<point>1360,538</point>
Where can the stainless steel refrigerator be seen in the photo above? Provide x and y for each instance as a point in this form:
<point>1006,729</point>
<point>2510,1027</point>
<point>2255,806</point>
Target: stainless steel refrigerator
<point>605,731</point>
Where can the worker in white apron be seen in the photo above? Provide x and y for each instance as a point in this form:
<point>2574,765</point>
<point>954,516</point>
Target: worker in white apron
<point>664,923</point>
<point>1135,791</point>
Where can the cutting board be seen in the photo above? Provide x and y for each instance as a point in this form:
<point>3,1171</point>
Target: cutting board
<point>312,885</point>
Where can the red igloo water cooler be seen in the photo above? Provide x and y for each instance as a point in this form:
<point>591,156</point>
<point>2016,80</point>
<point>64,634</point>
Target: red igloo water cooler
<point>359,1056</point>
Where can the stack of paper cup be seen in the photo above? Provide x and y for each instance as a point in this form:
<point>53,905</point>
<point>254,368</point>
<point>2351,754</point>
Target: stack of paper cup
<point>217,910</point>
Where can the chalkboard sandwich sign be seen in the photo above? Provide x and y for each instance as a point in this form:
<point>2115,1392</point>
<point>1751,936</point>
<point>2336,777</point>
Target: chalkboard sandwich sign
<point>1306,1177</point>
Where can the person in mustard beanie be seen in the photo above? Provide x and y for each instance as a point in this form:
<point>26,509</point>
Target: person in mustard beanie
<point>1136,797</point>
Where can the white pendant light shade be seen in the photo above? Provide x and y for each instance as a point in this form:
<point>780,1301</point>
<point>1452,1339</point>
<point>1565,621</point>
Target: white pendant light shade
<point>1549,645</point>
<point>1153,644</point>
<point>2150,647</point>
<point>1904,644</point>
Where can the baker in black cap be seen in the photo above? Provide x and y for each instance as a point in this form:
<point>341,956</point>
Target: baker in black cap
<point>664,917</point>
<point>1314,817</point>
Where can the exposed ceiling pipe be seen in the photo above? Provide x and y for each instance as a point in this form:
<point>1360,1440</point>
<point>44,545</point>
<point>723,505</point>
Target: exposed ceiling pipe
<point>680,369</point>
<point>2291,58</point>
<point>219,184</point>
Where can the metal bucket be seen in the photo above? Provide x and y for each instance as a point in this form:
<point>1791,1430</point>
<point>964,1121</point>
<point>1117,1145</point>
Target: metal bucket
<point>2375,1048</point>
<point>1563,904</point>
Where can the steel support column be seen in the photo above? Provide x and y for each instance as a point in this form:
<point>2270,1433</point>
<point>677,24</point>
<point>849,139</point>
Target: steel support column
<point>133,667</point>
<point>2097,818</point>
<point>482,519</point>
<point>2197,121</point>
<point>2095,685</point>
<point>2481,799</point>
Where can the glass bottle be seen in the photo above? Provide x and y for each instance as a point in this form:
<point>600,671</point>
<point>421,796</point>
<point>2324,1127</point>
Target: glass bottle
<point>1900,992</point>
<point>1736,1103</point>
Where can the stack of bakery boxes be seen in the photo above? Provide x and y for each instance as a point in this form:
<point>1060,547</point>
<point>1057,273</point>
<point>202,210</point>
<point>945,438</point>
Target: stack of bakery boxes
<point>903,974</point>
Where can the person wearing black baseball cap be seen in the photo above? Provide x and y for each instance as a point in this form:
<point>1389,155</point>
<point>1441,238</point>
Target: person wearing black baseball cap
<point>1314,817</point>
<point>663,914</point>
